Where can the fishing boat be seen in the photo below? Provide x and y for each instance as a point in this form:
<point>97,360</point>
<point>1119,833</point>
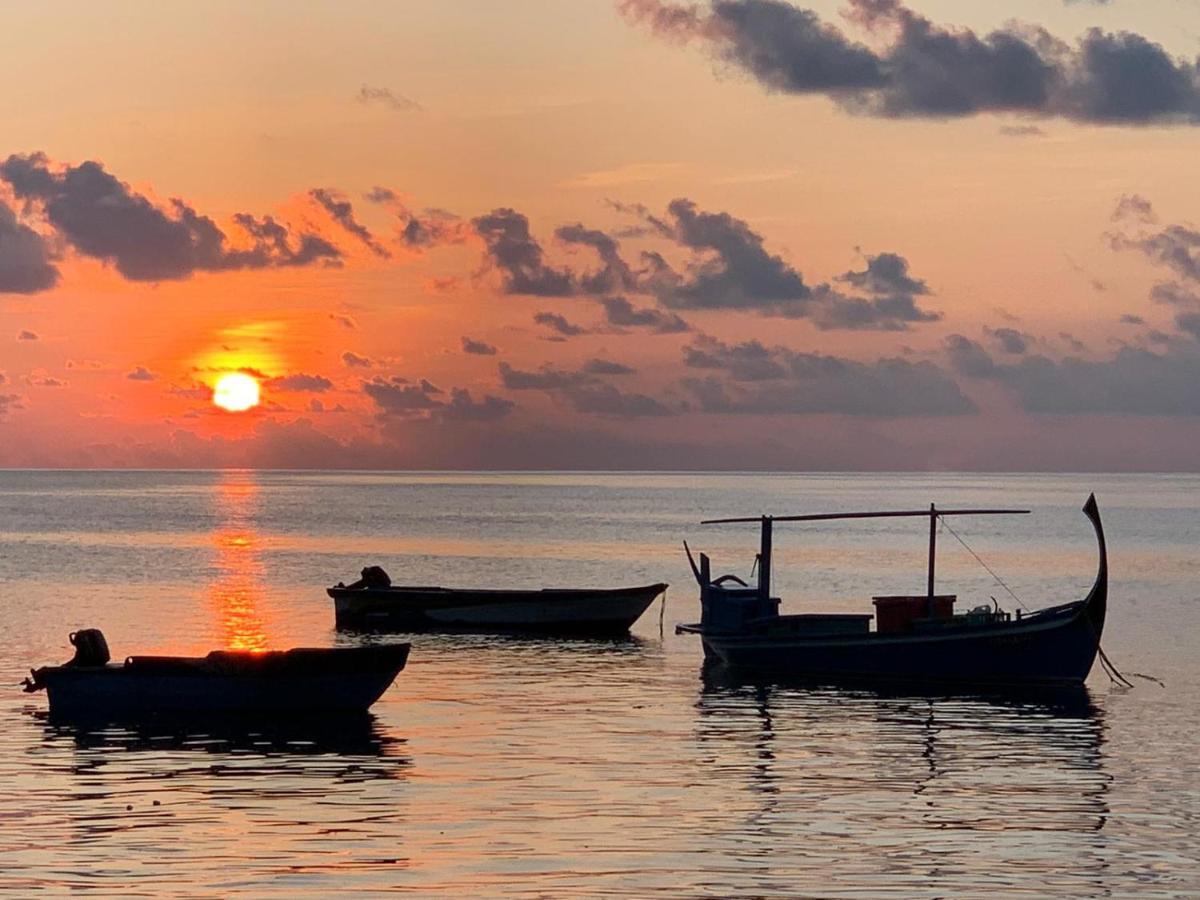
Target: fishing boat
<point>302,681</point>
<point>574,611</point>
<point>916,638</point>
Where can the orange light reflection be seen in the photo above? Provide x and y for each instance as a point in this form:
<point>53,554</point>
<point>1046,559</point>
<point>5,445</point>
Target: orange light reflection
<point>237,595</point>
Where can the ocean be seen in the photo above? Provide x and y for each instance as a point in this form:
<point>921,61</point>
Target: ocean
<point>504,766</point>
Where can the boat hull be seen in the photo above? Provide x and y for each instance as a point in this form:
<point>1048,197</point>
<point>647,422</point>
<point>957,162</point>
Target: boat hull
<point>577,612</point>
<point>1051,650</point>
<point>342,681</point>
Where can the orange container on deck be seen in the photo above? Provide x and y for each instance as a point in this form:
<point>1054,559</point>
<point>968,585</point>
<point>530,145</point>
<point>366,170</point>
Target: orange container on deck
<point>895,613</point>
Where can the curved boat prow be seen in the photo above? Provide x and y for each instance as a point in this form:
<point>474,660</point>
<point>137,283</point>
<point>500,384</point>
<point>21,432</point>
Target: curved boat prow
<point>1096,604</point>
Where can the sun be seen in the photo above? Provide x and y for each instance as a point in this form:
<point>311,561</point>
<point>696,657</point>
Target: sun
<point>236,392</point>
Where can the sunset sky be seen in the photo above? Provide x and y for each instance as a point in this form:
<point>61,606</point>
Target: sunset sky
<point>739,234</point>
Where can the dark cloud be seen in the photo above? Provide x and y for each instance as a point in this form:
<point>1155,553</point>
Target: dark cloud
<point>1130,319</point>
<point>477,348</point>
<point>1021,131</point>
<point>967,357</point>
<point>922,69</point>
<point>9,402</point>
<point>558,324</point>
<point>344,320</point>
<point>342,211</point>
<point>354,361</point>
<point>607,367</point>
<point>614,275</point>
<point>141,373</point>
<point>301,382</point>
<point>1134,207</point>
<point>420,231</point>
<point>401,398</point>
<point>387,97</point>
<point>1173,293</point>
<point>25,257</point>
<point>622,314</point>
<point>608,400</point>
<point>735,271</point>
<point>1009,339</point>
<point>1134,381</point>
<point>546,379</point>
<point>463,408</point>
<point>512,249</point>
<point>25,335</point>
<point>731,269</point>
<point>584,391</point>
<point>104,218</point>
<point>778,380</point>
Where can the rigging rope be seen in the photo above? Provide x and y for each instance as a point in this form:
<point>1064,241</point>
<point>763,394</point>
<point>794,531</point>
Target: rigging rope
<point>999,580</point>
<point>1113,673</point>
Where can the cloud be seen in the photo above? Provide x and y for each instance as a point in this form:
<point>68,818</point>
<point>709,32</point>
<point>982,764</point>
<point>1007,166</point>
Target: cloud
<point>778,380</point>
<point>737,272</point>
<point>1130,319</point>
<point>419,231</point>
<point>922,69</point>
<point>104,218</point>
<point>614,274</point>
<point>512,249</point>
<point>141,373</point>
<point>1134,381</point>
<point>606,367</point>
<point>1009,339</point>
<point>301,382</point>
<point>25,257</point>
<point>1173,247</point>
<point>1021,131</point>
<point>401,398</point>
<point>354,361</point>
<point>731,269</point>
<point>622,314</point>
<point>558,324</point>
<point>344,320</point>
<point>342,212</point>
<point>477,348</point>
<point>584,391</point>
<point>387,97</point>
<point>25,335</point>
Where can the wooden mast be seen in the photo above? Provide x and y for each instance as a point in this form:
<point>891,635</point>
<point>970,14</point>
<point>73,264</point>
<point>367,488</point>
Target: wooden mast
<point>932,552</point>
<point>764,560</point>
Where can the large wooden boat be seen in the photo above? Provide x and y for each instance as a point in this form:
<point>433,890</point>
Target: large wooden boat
<point>301,681</point>
<point>580,611</point>
<point>916,638</point>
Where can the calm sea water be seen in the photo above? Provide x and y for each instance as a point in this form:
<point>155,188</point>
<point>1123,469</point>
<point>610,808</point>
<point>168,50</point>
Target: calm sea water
<point>503,766</point>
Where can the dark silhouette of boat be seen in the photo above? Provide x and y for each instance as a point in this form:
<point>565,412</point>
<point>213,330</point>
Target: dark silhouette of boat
<point>302,681</point>
<point>916,638</point>
<point>561,611</point>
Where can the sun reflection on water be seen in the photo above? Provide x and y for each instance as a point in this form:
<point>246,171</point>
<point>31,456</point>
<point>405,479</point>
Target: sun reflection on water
<point>237,594</point>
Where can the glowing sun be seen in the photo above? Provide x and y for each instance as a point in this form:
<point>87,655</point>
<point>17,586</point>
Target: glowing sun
<point>236,392</point>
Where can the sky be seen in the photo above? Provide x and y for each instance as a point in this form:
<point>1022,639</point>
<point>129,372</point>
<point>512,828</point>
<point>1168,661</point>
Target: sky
<point>641,234</point>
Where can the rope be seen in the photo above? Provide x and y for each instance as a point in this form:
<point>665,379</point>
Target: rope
<point>999,580</point>
<point>1113,673</point>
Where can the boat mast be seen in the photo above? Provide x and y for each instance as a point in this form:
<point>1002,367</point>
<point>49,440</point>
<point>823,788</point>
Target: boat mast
<point>764,560</point>
<point>932,552</point>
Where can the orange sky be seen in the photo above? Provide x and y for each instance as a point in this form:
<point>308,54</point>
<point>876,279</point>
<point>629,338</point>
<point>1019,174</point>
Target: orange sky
<point>577,113</point>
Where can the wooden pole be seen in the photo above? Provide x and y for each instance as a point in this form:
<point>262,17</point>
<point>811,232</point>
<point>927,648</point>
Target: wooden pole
<point>932,552</point>
<point>764,561</point>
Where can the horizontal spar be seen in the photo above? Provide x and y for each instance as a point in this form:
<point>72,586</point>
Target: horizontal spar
<point>894,514</point>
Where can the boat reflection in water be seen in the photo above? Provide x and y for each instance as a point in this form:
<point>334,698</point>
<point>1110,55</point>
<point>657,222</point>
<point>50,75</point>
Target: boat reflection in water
<point>895,788</point>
